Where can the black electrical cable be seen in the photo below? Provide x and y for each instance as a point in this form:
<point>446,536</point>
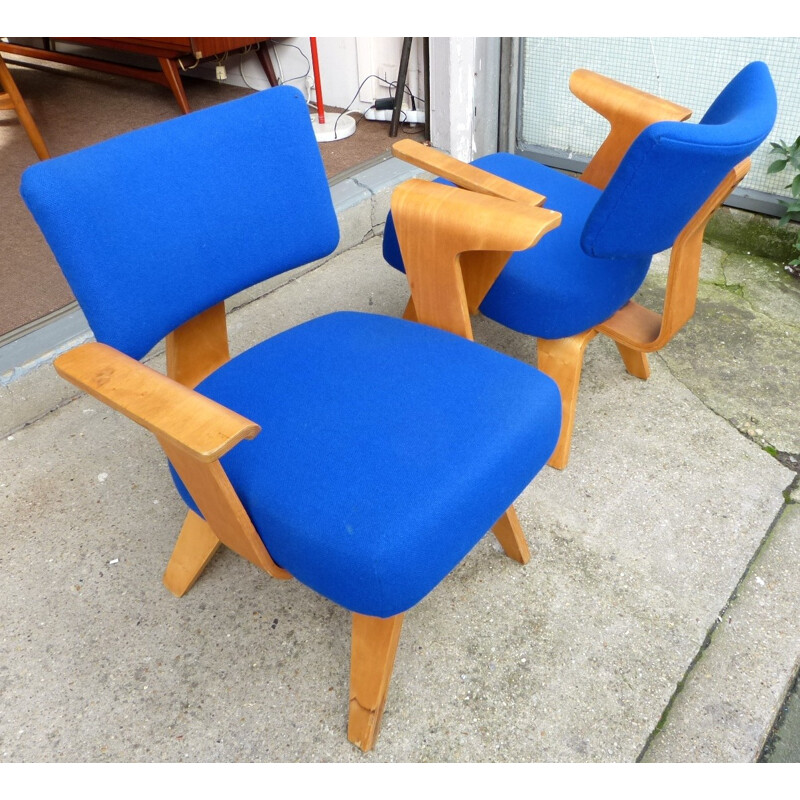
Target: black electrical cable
<point>308,63</point>
<point>390,84</point>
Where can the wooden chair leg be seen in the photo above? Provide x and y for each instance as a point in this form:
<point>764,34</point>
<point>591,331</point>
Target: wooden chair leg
<point>635,361</point>
<point>410,313</point>
<point>374,646</point>
<point>562,360</point>
<point>195,546</point>
<point>15,98</point>
<point>509,533</point>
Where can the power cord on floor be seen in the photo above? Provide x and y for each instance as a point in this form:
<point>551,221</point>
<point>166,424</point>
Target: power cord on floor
<point>391,85</point>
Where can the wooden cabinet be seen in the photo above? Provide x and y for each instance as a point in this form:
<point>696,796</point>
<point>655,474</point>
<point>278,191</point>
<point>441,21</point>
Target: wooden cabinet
<point>172,54</point>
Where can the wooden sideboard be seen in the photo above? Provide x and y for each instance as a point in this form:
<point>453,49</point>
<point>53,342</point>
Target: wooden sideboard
<point>173,54</point>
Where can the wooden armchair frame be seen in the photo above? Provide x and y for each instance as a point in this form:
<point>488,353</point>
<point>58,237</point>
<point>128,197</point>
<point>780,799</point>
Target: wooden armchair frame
<point>635,329</point>
<point>11,100</point>
<point>195,432</point>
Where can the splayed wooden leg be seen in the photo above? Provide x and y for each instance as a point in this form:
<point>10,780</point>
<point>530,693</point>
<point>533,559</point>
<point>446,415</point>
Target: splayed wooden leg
<point>635,361</point>
<point>373,650</point>
<point>195,546</point>
<point>562,360</point>
<point>509,533</point>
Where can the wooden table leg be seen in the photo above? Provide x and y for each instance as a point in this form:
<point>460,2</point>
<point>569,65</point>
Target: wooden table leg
<point>173,77</point>
<point>266,63</point>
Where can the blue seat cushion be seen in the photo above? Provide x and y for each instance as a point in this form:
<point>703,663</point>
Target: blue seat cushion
<point>554,289</point>
<point>387,450</point>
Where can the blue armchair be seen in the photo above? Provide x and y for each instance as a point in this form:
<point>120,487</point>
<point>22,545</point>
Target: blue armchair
<point>652,185</point>
<point>360,454</point>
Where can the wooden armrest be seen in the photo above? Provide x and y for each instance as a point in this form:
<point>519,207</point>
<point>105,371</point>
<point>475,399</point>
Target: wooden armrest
<point>613,99</point>
<point>455,243</point>
<point>470,220</point>
<point>197,425</point>
<point>464,175</point>
<point>628,110</point>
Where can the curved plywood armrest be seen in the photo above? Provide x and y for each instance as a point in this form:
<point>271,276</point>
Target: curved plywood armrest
<point>464,175</point>
<point>455,243</point>
<point>628,110</point>
<point>645,331</point>
<point>188,420</point>
<point>193,430</point>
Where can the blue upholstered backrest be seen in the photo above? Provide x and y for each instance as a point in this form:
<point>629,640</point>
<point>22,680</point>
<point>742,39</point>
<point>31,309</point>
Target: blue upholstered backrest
<point>154,226</point>
<point>672,167</point>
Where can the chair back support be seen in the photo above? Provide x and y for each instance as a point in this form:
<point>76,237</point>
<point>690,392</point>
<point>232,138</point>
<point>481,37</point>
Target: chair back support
<point>191,249</point>
<point>673,167</point>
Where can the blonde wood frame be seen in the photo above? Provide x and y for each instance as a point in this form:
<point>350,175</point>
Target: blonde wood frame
<point>454,245</point>
<point>464,175</point>
<point>188,421</point>
<point>193,351</point>
<point>198,347</point>
<point>195,547</point>
<point>628,110</point>
<point>444,231</point>
<point>11,100</point>
<point>638,329</point>
<point>635,329</point>
<point>195,432</point>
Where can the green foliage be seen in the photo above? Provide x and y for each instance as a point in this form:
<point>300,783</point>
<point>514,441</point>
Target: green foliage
<point>789,156</point>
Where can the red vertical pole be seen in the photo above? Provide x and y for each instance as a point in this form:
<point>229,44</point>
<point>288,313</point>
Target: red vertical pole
<point>317,81</point>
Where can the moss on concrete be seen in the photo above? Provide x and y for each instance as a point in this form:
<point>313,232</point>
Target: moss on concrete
<point>752,234</point>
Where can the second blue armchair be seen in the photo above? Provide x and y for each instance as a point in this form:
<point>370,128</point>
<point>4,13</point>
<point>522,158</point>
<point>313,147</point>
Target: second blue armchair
<point>652,185</point>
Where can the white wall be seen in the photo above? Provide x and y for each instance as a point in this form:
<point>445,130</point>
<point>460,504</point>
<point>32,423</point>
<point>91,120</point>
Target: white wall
<point>355,71</point>
<point>465,86</point>
<point>345,62</point>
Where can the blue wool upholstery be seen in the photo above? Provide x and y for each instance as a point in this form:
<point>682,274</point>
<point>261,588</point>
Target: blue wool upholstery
<point>578,275</point>
<point>148,235</point>
<point>530,295</point>
<point>672,167</point>
<point>387,450</point>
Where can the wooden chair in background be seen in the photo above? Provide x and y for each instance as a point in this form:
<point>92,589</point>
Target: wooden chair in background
<point>11,100</point>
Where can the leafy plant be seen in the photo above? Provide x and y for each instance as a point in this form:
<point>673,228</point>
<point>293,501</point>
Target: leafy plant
<point>789,156</point>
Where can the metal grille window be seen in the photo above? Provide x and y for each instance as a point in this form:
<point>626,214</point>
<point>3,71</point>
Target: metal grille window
<point>689,71</point>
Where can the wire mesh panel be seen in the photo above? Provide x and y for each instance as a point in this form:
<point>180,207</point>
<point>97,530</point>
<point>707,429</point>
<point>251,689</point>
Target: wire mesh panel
<point>688,71</point>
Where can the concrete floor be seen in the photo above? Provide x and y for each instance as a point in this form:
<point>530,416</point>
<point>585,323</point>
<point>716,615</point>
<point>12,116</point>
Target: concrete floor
<point>656,620</point>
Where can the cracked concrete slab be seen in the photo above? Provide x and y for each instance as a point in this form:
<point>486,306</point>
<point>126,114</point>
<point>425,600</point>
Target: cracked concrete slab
<point>637,548</point>
<point>718,714</point>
